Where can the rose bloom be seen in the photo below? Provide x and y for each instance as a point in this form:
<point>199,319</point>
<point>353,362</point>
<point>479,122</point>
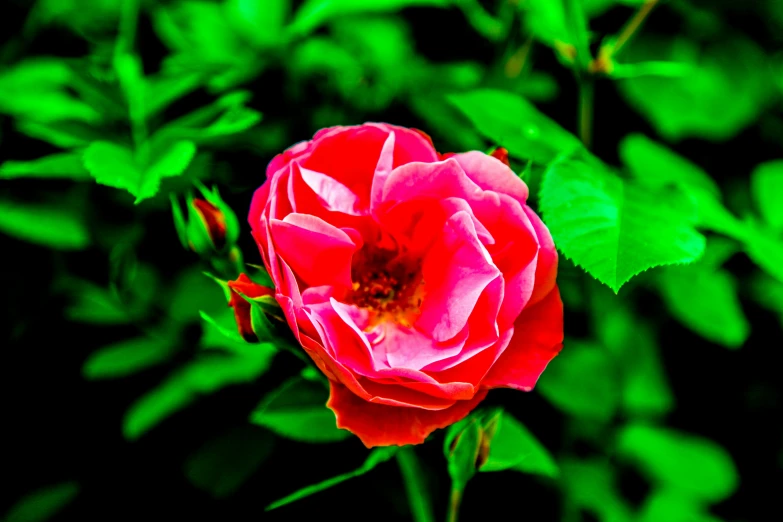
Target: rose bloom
<point>415,281</point>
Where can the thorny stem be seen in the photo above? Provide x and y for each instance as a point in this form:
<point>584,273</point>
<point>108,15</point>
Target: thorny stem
<point>632,26</point>
<point>454,502</point>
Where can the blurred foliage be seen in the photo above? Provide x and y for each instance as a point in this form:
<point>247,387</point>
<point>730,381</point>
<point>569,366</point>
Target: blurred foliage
<point>649,133</point>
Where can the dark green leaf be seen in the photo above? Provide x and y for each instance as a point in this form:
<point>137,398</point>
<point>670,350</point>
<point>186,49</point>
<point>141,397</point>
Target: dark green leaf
<point>613,228</point>
<point>52,227</point>
<point>673,506</point>
<point>128,357</point>
<point>726,89</point>
<point>697,467</point>
<point>377,456</point>
<point>224,463</point>
<point>43,503</point>
<point>514,123</point>
<point>297,410</point>
<point>204,375</point>
<point>590,485</point>
<point>765,248</point>
<point>315,13</point>
<point>258,21</point>
<point>67,165</point>
<point>582,381</point>
<point>705,300</point>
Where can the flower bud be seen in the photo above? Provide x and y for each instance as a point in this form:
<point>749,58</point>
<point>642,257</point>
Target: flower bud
<point>244,286</point>
<point>211,227</point>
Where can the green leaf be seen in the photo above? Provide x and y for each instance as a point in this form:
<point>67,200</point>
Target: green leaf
<point>258,21</point>
<point>765,248</point>
<point>377,456</point>
<point>224,463</point>
<point>62,134</point>
<point>766,183</point>
<point>645,391</point>
<point>114,165</point>
<point>128,357</point>
<point>514,123</point>
<point>204,375</point>
<point>191,294</point>
<point>37,89</point>
<point>164,89</point>
<point>673,506</point>
<point>613,228</point>
<point>705,300</point>
<point>654,165</point>
<point>590,485</point>
<point>768,291</point>
<point>225,330</point>
<point>695,466</point>
<point>67,165</point>
<point>43,503</point>
<point>658,166</point>
<point>225,117</point>
<point>725,91</point>
<point>52,227</point>
<point>297,410</point>
<point>315,13</point>
<point>582,381</point>
<point>512,446</point>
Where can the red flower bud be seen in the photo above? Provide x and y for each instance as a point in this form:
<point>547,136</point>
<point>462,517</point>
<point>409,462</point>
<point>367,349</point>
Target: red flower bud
<point>214,221</point>
<point>244,285</point>
<point>501,154</point>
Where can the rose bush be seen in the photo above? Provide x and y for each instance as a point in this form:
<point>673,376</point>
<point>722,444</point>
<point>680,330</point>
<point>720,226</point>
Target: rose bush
<point>415,281</point>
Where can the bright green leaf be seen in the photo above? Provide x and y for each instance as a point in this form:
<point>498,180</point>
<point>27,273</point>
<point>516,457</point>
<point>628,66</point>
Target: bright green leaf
<point>128,357</point>
<point>512,446</point>
<point>613,228</point>
<point>37,89</point>
<point>297,410</point>
<point>697,467</point>
<point>204,375</point>
<point>768,291</point>
<point>224,463</point>
<point>725,91</point>
<point>514,123</point>
<point>67,165</point>
<point>582,381</point>
<point>377,456</point>
<point>114,165</point>
<point>315,13</point>
<point>765,248</point>
<point>225,330</point>
<point>43,503</point>
<point>673,506</point>
<point>766,183</point>
<point>258,21</point>
<point>52,227</point>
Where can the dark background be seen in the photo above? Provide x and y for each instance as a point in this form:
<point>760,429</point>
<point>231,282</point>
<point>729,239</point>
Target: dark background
<point>58,426</point>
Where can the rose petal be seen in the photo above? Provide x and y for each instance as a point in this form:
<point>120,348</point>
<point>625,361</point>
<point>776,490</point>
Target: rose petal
<point>317,252</point>
<point>546,266</point>
<point>456,271</point>
<point>538,338</point>
<point>381,425</point>
<point>490,173</point>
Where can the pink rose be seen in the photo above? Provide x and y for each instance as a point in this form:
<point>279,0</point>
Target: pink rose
<point>415,282</point>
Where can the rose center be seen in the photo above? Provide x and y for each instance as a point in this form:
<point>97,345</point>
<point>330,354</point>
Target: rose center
<point>387,285</point>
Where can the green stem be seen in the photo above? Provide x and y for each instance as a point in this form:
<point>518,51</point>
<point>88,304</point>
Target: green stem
<point>421,510</point>
<point>632,26</point>
<point>454,502</point>
<point>586,97</point>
